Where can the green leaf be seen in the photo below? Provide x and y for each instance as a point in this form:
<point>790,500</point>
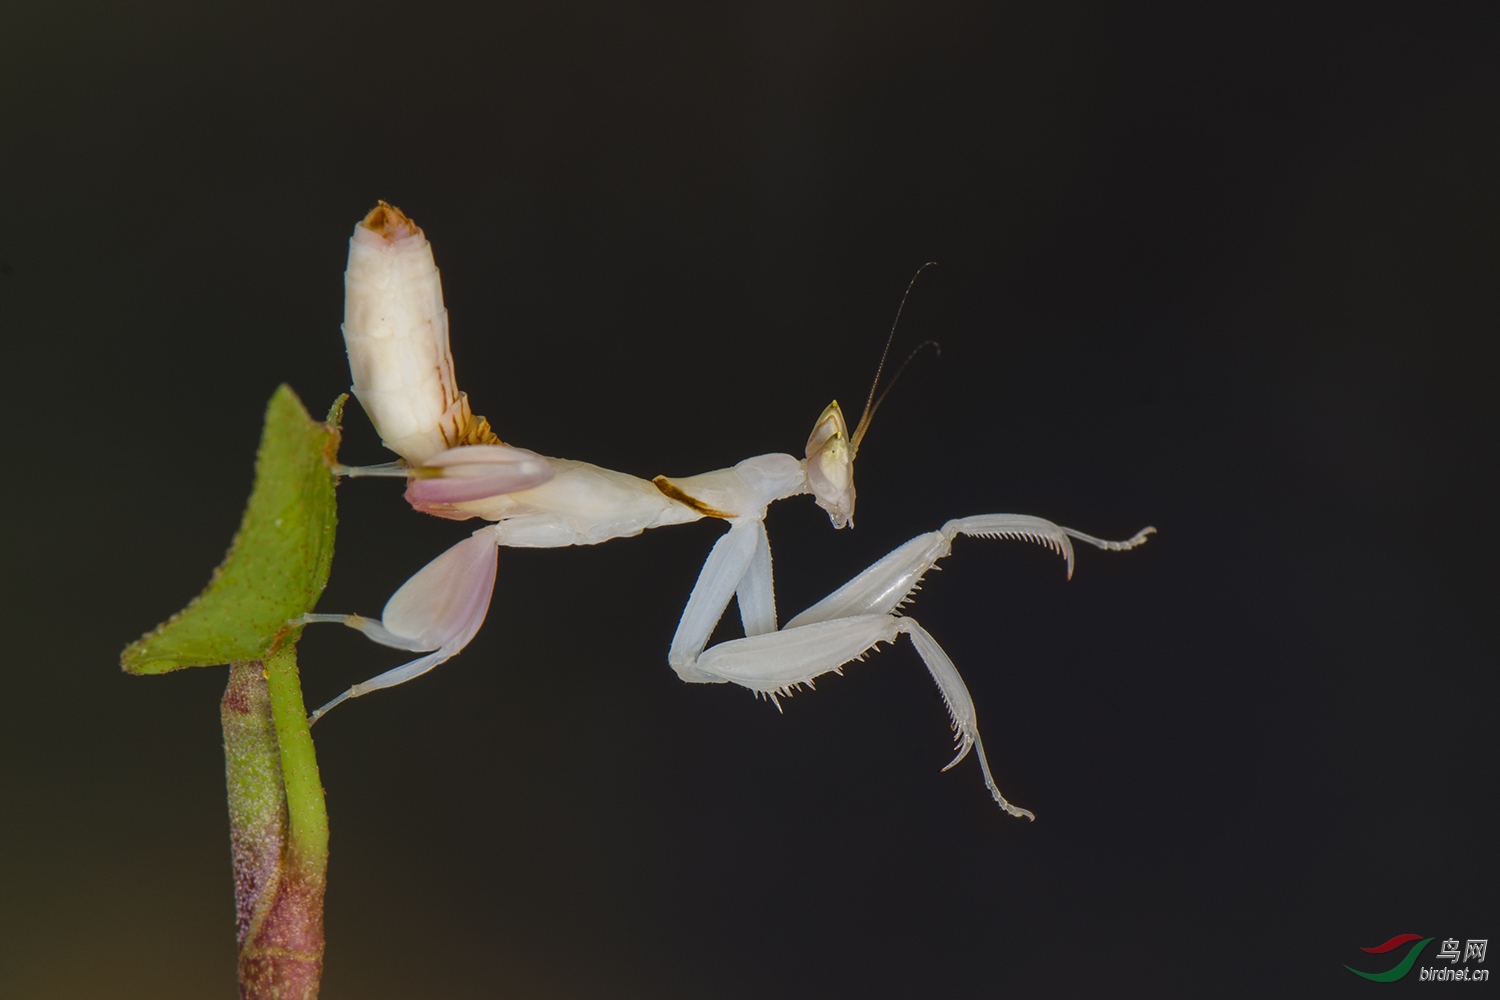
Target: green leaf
<point>277,564</point>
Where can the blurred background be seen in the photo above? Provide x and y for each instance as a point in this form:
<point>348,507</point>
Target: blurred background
<point>1229,271</point>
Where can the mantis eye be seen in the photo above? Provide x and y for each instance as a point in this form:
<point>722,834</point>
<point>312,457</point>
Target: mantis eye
<point>830,466</point>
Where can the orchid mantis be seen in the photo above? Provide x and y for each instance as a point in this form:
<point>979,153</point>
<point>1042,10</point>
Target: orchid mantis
<point>396,331</point>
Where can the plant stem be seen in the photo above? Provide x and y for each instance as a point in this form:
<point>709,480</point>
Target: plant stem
<point>306,809</point>
<point>257,804</point>
<point>279,829</point>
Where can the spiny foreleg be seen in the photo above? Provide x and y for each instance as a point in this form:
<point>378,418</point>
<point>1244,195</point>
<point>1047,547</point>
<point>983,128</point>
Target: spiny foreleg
<point>889,583</point>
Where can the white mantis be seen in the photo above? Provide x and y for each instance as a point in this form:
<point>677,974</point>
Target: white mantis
<point>395,328</point>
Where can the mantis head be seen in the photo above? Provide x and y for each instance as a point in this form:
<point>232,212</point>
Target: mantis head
<point>830,465</point>
<point>831,448</point>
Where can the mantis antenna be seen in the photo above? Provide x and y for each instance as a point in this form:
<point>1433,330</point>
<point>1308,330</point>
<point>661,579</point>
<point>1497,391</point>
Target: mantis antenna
<point>872,403</point>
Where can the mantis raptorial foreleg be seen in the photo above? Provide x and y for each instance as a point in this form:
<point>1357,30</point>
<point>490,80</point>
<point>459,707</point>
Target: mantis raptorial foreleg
<point>848,623</point>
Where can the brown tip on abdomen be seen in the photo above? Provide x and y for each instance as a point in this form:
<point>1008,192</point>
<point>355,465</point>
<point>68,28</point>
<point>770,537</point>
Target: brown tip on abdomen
<point>389,221</point>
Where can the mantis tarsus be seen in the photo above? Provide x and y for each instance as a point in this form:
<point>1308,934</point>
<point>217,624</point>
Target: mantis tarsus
<point>396,331</point>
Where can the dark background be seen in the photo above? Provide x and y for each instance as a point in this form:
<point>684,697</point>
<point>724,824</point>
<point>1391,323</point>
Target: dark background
<point>1230,272</point>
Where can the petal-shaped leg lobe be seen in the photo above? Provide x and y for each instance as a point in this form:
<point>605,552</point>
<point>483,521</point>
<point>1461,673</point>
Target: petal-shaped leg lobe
<point>439,609</point>
<point>445,603</point>
<point>473,472</point>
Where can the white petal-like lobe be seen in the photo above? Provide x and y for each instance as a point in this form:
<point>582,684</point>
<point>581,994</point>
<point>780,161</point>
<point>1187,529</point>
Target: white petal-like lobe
<point>476,471</point>
<point>445,603</point>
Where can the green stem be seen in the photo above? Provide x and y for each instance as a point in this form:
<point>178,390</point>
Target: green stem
<point>306,808</point>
